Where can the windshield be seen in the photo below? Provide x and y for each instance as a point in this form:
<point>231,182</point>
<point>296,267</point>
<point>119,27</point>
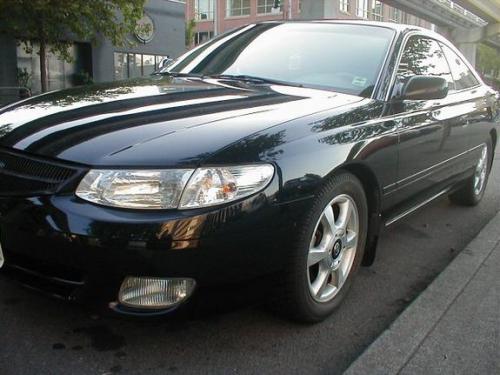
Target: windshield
<point>341,57</point>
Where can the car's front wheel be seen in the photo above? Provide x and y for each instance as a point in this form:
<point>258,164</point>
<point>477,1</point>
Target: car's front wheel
<point>328,251</point>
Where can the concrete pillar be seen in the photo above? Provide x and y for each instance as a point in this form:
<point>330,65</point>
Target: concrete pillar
<point>467,41</point>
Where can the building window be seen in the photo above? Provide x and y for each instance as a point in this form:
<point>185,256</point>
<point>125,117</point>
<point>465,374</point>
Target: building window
<point>345,6</point>
<point>133,65</point>
<point>266,6</point>
<point>362,10</point>
<point>203,36</point>
<point>377,11</point>
<point>396,15</point>
<point>204,10</point>
<point>121,66</point>
<point>60,74</point>
<point>238,8</point>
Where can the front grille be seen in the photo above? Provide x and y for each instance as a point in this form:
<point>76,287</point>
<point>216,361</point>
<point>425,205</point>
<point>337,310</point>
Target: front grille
<point>22,174</point>
<point>53,279</point>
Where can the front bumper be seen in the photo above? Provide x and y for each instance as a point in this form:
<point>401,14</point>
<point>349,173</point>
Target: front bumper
<point>78,251</point>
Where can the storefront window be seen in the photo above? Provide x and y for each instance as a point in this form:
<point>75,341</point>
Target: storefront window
<point>133,65</point>
<point>148,64</point>
<point>121,66</point>
<point>237,8</point>
<point>59,73</point>
<point>158,60</point>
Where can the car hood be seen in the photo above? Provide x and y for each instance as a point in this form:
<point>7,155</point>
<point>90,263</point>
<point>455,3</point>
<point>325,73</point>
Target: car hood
<point>161,121</point>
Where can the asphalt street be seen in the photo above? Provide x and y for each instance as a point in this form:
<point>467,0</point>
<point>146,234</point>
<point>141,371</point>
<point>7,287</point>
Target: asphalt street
<point>43,336</point>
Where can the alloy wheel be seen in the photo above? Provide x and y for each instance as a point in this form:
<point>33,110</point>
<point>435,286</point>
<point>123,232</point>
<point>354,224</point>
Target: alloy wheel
<point>333,248</point>
<point>481,171</point>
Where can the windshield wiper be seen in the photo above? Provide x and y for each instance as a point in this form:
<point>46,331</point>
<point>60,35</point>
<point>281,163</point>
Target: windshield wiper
<point>175,74</point>
<point>240,77</point>
<point>253,79</point>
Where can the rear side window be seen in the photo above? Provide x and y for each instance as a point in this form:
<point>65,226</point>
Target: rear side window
<point>462,75</point>
<point>423,56</point>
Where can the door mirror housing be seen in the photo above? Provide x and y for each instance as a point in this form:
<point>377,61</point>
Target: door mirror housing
<point>425,88</point>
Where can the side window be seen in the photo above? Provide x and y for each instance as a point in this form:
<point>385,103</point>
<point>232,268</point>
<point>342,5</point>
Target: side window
<point>462,75</point>
<point>423,56</point>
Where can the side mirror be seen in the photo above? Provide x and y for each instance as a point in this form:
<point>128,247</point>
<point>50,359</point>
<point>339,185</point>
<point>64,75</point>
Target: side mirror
<point>425,88</point>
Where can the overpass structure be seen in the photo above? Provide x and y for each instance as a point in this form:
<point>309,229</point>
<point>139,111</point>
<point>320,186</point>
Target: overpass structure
<point>489,10</point>
<point>466,22</point>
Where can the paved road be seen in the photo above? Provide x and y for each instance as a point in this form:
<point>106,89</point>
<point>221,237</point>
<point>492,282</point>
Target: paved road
<point>42,336</point>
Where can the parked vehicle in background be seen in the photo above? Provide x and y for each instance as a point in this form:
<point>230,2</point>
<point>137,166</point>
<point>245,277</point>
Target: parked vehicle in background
<point>278,149</point>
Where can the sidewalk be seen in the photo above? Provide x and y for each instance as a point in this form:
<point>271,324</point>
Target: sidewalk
<point>453,327</point>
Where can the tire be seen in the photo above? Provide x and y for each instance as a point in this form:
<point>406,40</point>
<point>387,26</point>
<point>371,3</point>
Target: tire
<point>324,257</point>
<point>473,190</point>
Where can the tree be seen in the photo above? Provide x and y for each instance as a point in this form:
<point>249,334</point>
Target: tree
<point>488,61</point>
<point>190,30</point>
<point>50,23</point>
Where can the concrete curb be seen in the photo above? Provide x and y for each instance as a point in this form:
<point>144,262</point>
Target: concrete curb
<point>395,347</point>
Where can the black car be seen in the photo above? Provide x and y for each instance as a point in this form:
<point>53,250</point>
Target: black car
<point>278,149</point>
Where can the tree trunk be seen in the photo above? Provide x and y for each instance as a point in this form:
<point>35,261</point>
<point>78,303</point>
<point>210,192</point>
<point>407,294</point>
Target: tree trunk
<point>43,67</point>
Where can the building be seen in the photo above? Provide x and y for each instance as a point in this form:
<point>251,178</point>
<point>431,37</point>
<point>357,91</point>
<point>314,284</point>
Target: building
<point>372,10</point>
<point>216,16</point>
<point>103,61</point>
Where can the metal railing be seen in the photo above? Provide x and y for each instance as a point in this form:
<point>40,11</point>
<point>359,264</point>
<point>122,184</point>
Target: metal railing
<point>461,10</point>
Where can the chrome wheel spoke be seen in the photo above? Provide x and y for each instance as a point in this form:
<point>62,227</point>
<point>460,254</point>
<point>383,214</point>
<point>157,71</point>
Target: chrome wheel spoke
<point>319,285</point>
<point>317,254</point>
<point>339,275</point>
<point>328,219</point>
<point>335,281</point>
<point>351,239</point>
<point>343,272</point>
<point>346,209</point>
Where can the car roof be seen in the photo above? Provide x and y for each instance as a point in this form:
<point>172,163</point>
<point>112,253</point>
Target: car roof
<point>388,25</point>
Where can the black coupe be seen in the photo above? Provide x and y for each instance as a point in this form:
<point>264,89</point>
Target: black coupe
<point>279,148</point>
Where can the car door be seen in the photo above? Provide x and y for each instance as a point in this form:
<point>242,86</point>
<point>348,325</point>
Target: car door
<point>471,104</point>
<point>430,134</point>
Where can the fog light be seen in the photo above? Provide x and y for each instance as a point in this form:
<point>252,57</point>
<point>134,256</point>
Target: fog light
<point>154,293</point>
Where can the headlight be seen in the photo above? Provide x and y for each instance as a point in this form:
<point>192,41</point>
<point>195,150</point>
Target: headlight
<point>173,188</point>
<point>212,186</point>
<point>134,189</point>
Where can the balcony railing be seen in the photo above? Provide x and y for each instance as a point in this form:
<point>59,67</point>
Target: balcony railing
<point>461,10</point>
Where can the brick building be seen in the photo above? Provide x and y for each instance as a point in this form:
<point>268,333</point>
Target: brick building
<point>216,16</point>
